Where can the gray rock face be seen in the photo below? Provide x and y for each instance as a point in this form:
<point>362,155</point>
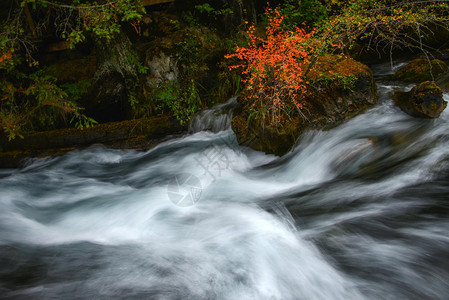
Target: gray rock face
<point>423,101</point>
<point>162,68</point>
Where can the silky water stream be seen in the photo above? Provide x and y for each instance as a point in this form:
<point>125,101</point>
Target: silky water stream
<point>357,212</point>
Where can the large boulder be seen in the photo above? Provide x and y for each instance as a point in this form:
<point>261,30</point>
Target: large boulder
<point>343,88</point>
<point>425,100</point>
<point>419,70</point>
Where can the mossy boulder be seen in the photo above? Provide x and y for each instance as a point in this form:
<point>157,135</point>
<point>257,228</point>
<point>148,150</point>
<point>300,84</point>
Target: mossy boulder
<point>423,101</point>
<point>343,88</point>
<point>420,70</point>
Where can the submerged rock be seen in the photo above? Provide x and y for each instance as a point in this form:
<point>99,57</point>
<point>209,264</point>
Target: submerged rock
<point>343,89</point>
<point>420,70</point>
<point>423,101</point>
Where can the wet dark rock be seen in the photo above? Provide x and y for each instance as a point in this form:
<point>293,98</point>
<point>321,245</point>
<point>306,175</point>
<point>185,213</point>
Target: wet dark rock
<point>74,70</point>
<point>269,139</point>
<point>114,77</point>
<point>331,103</point>
<point>423,101</point>
<point>420,70</point>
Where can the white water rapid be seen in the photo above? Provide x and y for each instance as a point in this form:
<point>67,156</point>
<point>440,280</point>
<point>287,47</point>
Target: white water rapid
<point>357,212</point>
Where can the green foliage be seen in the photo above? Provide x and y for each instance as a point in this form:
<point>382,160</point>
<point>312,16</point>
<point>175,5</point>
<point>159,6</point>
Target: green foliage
<point>32,99</point>
<point>207,13</point>
<point>10,125</point>
<point>82,121</point>
<point>190,50</point>
<point>102,18</point>
<point>229,81</point>
<point>71,21</point>
<point>258,114</point>
<point>299,12</point>
<point>208,9</point>
<point>131,87</point>
<point>347,81</point>
<point>132,84</point>
<point>40,104</point>
<point>8,46</point>
<point>386,25</point>
<point>74,37</point>
<point>182,101</point>
<point>133,60</point>
<point>76,90</point>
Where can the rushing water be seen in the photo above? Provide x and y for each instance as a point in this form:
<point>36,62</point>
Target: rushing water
<point>358,212</point>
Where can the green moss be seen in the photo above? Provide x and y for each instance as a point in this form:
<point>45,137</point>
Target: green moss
<point>420,70</point>
<point>428,86</point>
<point>336,65</point>
<point>337,70</point>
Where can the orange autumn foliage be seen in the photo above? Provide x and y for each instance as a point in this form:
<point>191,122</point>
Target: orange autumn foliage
<point>5,57</point>
<point>275,68</point>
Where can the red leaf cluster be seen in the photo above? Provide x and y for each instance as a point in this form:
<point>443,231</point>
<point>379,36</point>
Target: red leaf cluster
<point>275,68</point>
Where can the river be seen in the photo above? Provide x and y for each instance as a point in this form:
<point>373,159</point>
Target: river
<point>357,212</point>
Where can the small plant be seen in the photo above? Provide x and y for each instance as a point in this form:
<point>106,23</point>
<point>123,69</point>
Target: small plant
<point>132,84</point>
<point>274,67</point>
<point>347,81</point>
<point>133,60</point>
<point>182,101</point>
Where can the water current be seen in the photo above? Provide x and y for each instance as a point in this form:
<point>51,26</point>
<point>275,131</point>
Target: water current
<point>357,212</point>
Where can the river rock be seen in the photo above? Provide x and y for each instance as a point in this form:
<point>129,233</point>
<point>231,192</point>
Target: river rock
<point>420,70</point>
<point>425,100</point>
<point>333,101</point>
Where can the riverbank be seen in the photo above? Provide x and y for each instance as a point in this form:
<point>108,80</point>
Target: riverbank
<point>141,134</point>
